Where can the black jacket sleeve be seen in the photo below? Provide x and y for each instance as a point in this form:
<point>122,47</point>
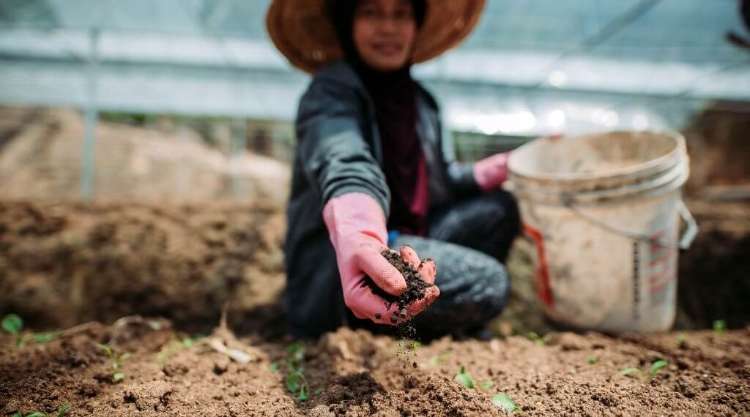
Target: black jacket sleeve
<point>332,148</point>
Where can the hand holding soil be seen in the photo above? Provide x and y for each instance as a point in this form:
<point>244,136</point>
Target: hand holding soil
<point>420,289</point>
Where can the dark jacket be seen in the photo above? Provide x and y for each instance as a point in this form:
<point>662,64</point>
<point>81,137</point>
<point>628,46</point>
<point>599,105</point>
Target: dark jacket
<point>338,152</point>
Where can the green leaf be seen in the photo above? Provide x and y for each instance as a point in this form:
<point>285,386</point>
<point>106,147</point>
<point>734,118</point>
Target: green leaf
<point>296,352</point>
<point>504,402</point>
<point>629,371</point>
<point>274,367</point>
<point>302,395</point>
<point>681,340</point>
<point>106,348</point>
<point>44,337</point>
<point>12,323</point>
<point>592,360</point>
<point>720,326</point>
<point>464,378</point>
<point>187,342</point>
<point>118,376</point>
<point>657,366</point>
<point>293,381</point>
<point>17,414</point>
<point>37,414</point>
<point>534,337</point>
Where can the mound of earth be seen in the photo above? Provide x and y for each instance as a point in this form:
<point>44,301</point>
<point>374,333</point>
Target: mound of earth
<point>40,158</point>
<point>68,263</point>
<point>353,373</point>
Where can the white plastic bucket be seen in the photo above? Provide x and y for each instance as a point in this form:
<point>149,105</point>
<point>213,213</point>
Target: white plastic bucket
<point>603,211</point>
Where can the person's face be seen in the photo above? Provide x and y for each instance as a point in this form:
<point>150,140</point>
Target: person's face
<point>384,32</point>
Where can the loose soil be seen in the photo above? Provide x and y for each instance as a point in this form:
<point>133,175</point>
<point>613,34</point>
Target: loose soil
<point>353,373</point>
<point>415,286</point>
<point>67,263</point>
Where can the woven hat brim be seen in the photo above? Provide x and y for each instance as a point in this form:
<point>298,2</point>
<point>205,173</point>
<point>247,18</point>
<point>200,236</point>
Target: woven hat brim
<point>302,32</point>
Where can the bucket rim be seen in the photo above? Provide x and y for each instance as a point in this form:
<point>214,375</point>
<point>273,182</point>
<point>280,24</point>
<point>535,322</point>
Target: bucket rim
<point>639,170</point>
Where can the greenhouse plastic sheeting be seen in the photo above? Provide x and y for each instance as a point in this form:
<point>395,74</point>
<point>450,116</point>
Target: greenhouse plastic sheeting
<point>532,66</point>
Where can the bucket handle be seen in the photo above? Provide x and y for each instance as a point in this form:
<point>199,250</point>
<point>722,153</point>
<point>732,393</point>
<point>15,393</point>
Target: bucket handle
<point>687,238</point>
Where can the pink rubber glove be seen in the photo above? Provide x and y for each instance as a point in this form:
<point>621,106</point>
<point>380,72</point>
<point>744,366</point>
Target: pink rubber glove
<point>356,226</point>
<point>492,171</point>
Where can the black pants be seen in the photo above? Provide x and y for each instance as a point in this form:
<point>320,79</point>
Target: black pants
<point>468,240</point>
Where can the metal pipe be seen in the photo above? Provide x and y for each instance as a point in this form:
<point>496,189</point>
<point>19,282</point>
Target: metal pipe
<point>91,117</point>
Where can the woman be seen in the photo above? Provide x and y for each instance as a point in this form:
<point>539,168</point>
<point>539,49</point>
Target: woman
<point>371,158</point>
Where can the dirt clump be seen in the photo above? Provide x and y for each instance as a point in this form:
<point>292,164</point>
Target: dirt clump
<point>415,286</point>
<point>415,290</point>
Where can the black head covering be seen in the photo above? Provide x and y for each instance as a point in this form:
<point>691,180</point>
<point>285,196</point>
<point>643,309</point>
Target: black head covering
<point>394,97</point>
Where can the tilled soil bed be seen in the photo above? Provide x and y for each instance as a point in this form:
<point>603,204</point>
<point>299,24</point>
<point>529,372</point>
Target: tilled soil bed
<point>66,263</point>
<point>353,373</point>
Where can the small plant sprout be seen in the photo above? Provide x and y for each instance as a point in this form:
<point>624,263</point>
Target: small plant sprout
<point>464,378</point>
<point>295,379</point>
<point>720,326</point>
<point>534,337</point>
<point>274,367</point>
<point>13,324</point>
<point>591,360</point>
<point>502,401</point>
<point>657,366</point>
<point>630,371</point>
<point>116,360</point>
<point>44,337</point>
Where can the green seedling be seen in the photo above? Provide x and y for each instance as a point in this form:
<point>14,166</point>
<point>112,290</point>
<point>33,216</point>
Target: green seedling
<point>44,337</point>
<point>295,379</point>
<point>274,367</point>
<point>534,337</point>
<point>630,371</point>
<point>116,359</point>
<point>591,360</point>
<point>13,324</point>
<point>657,366</point>
<point>720,326</point>
<point>681,340</point>
<point>464,378</point>
<point>61,412</point>
<point>502,401</point>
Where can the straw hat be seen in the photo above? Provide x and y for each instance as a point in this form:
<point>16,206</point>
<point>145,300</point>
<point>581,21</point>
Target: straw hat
<point>302,31</point>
